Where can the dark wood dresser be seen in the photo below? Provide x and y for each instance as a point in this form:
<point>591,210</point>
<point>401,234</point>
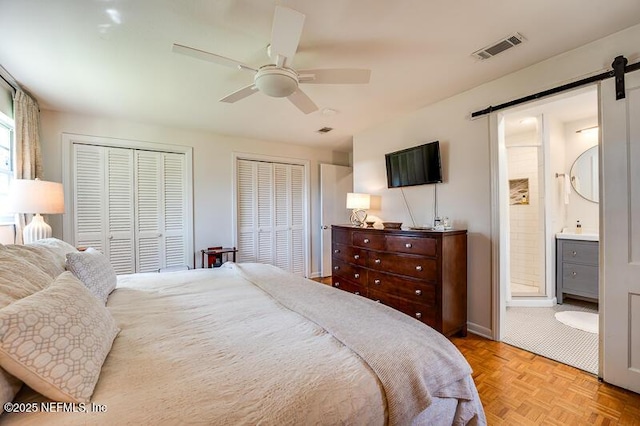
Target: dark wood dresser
<point>420,273</point>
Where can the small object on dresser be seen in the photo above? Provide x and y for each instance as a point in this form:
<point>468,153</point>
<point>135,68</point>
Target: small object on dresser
<point>391,225</point>
<point>578,227</point>
<point>370,223</point>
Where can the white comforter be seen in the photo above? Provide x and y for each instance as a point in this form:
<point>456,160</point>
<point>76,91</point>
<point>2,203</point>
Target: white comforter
<point>212,347</point>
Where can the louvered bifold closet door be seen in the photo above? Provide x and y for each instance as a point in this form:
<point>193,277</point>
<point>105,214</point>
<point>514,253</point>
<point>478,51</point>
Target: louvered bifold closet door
<point>247,205</point>
<point>271,214</point>
<point>148,202</point>
<point>282,214</point>
<point>120,218</point>
<point>103,203</point>
<point>89,198</point>
<point>297,224</point>
<point>174,194</point>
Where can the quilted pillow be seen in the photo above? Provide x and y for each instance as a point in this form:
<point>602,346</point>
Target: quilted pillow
<point>94,270</point>
<point>58,248</point>
<point>18,279</point>
<point>39,257</point>
<point>56,340</point>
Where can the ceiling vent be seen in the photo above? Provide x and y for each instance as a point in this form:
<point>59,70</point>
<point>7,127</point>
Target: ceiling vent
<point>324,130</point>
<point>499,46</point>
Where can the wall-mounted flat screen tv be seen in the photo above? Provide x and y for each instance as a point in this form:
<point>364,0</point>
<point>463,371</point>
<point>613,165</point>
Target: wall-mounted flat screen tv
<point>414,166</point>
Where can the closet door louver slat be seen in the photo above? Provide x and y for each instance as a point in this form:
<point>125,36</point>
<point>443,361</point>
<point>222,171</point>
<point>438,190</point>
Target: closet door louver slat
<point>89,197</point>
<point>247,210</point>
<point>174,210</point>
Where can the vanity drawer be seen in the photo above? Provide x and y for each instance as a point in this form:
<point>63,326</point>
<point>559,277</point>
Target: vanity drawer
<point>581,280</point>
<point>584,252</point>
<point>420,267</point>
<point>346,285</point>
<point>418,311</point>
<point>350,254</point>
<point>346,270</point>
<point>414,245</point>
<point>368,240</point>
<point>406,288</point>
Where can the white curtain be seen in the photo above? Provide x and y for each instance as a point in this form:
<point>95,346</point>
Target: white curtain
<point>28,155</point>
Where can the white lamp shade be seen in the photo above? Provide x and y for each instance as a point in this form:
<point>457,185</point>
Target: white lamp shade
<point>358,201</point>
<point>35,196</point>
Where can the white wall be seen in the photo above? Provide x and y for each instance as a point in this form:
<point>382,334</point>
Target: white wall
<point>212,169</point>
<point>585,211</point>
<point>465,196</point>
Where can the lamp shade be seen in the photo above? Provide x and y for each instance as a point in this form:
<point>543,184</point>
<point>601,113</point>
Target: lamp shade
<point>358,201</point>
<point>35,196</point>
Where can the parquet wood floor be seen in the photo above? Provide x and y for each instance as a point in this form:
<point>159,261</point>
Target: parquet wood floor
<point>520,388</point>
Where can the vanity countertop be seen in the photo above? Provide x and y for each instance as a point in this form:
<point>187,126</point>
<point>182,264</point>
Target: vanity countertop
<point>584,236</point>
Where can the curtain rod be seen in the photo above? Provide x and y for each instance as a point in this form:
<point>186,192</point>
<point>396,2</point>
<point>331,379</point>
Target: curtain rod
<point>568,86</point>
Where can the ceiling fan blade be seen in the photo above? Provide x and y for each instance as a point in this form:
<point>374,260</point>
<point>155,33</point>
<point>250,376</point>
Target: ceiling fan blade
<point>302,101</point>
<point>210,57</point>
<point>334,76</point>
<point>240,94</point>
<point>285,35</point>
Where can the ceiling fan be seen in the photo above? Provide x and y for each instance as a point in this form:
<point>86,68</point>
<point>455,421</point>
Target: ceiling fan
<point>278,79</point>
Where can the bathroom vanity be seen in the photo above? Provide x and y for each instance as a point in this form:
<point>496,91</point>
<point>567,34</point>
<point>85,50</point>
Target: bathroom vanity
<point>577,266</point>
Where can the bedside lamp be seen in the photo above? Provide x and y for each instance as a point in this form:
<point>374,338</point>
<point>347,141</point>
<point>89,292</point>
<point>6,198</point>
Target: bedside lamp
<point>37,197</point>
<point>358,203</point>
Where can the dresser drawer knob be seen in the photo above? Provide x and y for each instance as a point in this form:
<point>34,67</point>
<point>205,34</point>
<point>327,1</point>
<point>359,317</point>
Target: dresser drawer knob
<point>573,253</point>
<point>574,273</point>
<point>356,256</point>
<point>356,276</point>
<point>418,268</point>
<point>366,241</point>
<point>376,282</point>
<point>335,268</point>
<point>336,251</point>
<point>377,261</point>
<point>418,315</point>
<point>357,293</point>
<point>408,245</point>
<point>336,284</point>
<point>418,292</point>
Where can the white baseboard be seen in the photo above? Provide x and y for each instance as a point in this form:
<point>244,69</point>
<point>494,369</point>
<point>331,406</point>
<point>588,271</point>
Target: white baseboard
<point>315,275</point>
<point>531,302</point>
<point>479,330</point>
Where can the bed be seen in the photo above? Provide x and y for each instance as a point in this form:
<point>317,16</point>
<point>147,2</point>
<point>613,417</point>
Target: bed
<point>240,344</point>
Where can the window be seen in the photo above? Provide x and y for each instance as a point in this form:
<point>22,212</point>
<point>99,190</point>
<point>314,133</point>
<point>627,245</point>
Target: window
<point>7,152</point>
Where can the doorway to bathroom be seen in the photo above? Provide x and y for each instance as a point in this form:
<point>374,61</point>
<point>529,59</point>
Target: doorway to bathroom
<point>549,221</point>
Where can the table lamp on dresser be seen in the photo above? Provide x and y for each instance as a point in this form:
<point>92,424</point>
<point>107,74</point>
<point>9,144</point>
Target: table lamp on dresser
<point>358,203</point>
<point>37,197</point>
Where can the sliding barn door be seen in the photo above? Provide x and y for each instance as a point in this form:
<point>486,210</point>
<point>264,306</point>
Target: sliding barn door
<point>271,214</point>
<point>620,245</point>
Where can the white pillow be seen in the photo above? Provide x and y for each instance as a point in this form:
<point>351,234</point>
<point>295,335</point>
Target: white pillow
<point>56,340</point>
<point>94,270</point>
<point>57,247</point>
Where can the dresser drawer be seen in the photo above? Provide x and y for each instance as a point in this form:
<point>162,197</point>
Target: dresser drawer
<point>351,272</point>
<point>580,279</point>
<point>580,252</point>
<point>342,236</point>
<point>416,291</point>
<point>346,285</point>
<point>415,245</point>
<point>368,240</point>
<point>418,311</point>
<point>350,254</point>
<point>413,266</point>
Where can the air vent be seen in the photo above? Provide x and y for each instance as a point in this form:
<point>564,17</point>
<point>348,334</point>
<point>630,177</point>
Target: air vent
<point>499,46</point>
<point>325,130</point>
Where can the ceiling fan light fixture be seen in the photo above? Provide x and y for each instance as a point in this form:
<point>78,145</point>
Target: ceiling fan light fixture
<point>276,82</point>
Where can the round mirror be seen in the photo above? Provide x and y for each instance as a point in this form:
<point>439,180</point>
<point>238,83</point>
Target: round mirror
<point>584,174</point>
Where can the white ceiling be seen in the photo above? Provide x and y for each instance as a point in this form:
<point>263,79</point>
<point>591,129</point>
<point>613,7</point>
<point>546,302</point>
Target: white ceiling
<point>113,57</point>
